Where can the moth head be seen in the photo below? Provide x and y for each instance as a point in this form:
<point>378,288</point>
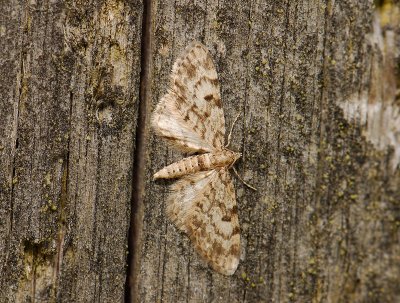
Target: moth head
<point>233,156</point>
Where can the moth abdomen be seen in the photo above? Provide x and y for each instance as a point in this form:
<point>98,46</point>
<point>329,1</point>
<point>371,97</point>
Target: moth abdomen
<point>197,163</point>
<point>181,168</point>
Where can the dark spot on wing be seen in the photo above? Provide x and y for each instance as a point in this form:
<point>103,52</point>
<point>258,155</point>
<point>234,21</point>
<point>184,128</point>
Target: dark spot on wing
<point>234,250</point>
<point>196,222</point>
<point>226,218</point>
<point>181,88</point>
<point>209,97</point>
<point>213,81</point>
<point>195,109</point>
<point>217,249</point>
<point>218,102</point>
<point>217,138</point>
<point>190,69</point>
<point>234,209</point>
<point>200,161</point>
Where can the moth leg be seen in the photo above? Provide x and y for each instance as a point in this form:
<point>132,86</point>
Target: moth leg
<point>244,182</point>
<point>230,133</point>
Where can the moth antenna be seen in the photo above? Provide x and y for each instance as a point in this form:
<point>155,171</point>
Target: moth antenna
<point>244,182</point>
<point>230,133</point>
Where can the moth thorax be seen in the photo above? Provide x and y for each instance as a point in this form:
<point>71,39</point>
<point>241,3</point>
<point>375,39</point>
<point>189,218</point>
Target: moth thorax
<point>224,158</point>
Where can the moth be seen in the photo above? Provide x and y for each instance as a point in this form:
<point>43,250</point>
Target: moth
<point>202,202</point>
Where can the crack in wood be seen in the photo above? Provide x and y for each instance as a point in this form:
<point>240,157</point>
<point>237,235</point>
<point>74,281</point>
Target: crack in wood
<point>139,164</point>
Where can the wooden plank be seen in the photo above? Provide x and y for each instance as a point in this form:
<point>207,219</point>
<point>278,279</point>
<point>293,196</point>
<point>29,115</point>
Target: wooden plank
<point>70,99</point>
<point>286,67</point>
<point>315,83</point>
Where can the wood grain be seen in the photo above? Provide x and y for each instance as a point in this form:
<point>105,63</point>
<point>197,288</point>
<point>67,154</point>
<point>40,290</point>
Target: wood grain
<point>316,83</point>
<point>69,87</point>
<point>310,233</point>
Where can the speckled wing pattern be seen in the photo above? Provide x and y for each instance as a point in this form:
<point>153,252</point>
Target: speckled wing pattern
<point>190,115</point>
<point>203,205</point>
<point>191,118</point>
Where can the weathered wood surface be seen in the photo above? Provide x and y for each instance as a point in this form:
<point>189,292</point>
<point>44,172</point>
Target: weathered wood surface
<point>315,82</point>
<point>322,227</point>
<point>69,97</point>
